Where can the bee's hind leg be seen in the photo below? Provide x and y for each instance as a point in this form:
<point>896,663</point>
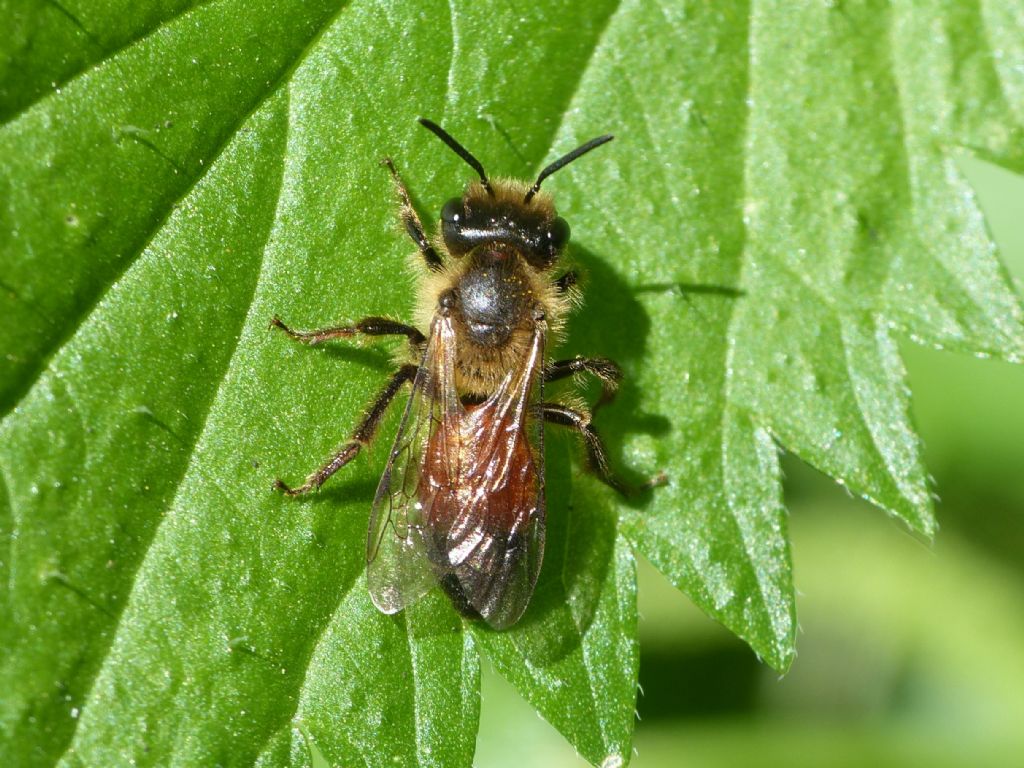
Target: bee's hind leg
<point>412,222</point>
<point>597,457</point>
<point>362,434</point>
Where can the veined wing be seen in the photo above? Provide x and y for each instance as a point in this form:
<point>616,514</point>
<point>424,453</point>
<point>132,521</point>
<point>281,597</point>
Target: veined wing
<point>398,570</point>
<point>461,502</point>
<point>484,502</point>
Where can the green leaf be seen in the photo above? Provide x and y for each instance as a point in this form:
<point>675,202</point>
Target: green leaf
<point>48,44</point>
<point>781,203</point>
<point>575,655</point>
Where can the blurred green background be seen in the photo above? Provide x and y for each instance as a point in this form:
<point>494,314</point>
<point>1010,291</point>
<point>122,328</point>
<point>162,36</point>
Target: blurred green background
<point>909,654</point>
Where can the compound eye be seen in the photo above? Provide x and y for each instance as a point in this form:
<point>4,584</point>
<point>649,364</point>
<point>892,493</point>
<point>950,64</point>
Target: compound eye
<point>453,221</point>
<point>453,212</point>
<point>558,234</point>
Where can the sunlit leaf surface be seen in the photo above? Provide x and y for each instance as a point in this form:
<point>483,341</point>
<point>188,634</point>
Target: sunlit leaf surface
<point>780,205</point>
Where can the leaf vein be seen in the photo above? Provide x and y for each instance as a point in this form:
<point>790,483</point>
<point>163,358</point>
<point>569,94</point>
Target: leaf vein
<point>107,56</point>
<point>31,376</point>
<point>186,467</point>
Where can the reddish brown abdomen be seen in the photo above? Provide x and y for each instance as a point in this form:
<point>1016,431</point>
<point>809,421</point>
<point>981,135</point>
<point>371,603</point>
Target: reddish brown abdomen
<point>479,494</point>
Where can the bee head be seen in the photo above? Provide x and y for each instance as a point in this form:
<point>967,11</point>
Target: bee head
<point>501,218</point>
<point>506,213</point>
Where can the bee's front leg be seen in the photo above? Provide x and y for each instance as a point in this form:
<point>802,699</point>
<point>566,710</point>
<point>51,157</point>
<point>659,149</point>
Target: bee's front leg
<point>361,436</point>
<point>566,281</point>
<point>412,222</point>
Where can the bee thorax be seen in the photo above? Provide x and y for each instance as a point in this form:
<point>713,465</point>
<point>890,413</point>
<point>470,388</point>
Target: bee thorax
<point>493,297</point>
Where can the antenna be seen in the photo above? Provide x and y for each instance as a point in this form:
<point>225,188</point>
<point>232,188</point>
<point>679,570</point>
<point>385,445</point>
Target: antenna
<point>459,150</point>
<point>564,161</point>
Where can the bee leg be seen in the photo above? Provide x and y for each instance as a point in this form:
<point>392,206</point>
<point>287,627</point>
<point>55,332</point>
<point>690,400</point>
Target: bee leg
<point>412,222</point>
<point>368,326</point>
<point>597,458</point>
<point>362,434</point>
<point>566,281</point>
<point>602,368</point>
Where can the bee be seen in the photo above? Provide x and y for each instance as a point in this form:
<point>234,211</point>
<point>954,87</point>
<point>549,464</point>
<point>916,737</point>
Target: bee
<point>461,501</point>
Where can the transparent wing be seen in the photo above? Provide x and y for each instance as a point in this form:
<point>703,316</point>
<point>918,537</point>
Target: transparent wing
<point>485,512</point>
<point>461,502</point>
<point>398,570</point>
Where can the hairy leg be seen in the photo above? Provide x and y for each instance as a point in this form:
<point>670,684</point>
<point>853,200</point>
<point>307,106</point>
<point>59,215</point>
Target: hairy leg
<point>412,222</point>
<point>597,458</point>
<point>368,326</point>
<point>603,369</point>
<point>566,281</point>
<point>362,434</point>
